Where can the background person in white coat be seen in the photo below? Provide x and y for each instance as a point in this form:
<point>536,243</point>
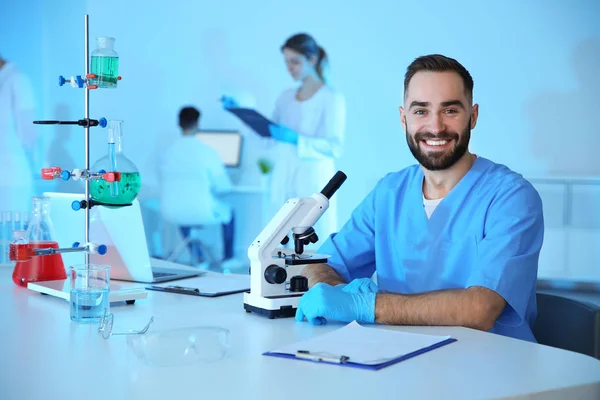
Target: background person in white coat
<point>17,138</point>
<point>193,178</point>
<point>310,134</point>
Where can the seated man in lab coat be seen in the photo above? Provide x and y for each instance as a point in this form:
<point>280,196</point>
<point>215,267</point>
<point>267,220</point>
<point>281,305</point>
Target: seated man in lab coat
<point>455,240</point>
<point>192,178</point>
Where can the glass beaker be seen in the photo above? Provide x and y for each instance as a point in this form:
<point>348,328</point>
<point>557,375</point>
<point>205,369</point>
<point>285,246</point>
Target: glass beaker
<point>105,64</point>
<point>128,188</point>
<point>40,234</point>
<point>90,290</point>
<point>19,246</point>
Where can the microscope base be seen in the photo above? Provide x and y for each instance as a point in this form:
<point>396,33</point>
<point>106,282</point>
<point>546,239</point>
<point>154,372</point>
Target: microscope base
<point>275,307</point>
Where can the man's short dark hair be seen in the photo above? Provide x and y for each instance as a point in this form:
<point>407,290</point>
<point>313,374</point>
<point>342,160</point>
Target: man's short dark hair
<point>439,63</point>
<point>188,116</point>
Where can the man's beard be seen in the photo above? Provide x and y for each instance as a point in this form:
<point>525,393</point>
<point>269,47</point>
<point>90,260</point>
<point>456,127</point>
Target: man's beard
<point>439,160</point>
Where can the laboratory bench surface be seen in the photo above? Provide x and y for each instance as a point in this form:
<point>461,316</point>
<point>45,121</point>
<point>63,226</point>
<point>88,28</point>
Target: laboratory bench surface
<point>45,355</point>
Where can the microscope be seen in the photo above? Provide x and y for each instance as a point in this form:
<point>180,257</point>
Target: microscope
<point>271,294</point>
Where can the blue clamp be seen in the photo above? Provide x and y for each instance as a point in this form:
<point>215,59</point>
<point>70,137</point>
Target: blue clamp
<point>102,122</point>
<point>102,249</point>
<point>65,175</point>
<point>80,81</point>
<point>76,206</point>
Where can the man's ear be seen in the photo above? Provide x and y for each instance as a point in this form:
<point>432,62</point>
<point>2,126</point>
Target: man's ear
<point>402,117</point>
<point>474,115</point>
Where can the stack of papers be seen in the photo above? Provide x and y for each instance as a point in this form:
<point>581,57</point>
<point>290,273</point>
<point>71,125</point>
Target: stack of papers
<point>361,347</point>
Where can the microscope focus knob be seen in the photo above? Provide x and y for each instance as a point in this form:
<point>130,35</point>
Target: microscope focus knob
<point>275,275</point>
<point>298,283</point>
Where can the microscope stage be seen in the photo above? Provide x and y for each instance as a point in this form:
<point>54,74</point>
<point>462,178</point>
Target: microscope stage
<point>294,259</point>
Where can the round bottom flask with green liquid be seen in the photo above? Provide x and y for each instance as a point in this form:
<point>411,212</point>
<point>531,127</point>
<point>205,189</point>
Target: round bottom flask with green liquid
<point>120,193</point>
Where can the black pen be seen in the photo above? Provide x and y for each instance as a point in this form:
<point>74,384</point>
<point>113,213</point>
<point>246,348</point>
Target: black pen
<point>319,357</point>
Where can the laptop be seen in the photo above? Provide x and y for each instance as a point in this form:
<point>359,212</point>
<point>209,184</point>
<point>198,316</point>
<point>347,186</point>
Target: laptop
<point>122,231</point>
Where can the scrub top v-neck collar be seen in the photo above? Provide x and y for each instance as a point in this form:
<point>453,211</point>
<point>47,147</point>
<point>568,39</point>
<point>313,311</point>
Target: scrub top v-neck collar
<point>433,225</point>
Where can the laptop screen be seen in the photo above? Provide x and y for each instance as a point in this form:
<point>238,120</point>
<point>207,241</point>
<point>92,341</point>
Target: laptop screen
<point>227,143</point>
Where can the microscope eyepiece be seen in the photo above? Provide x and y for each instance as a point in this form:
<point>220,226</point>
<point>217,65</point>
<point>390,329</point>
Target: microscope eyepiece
<point>334,184</point>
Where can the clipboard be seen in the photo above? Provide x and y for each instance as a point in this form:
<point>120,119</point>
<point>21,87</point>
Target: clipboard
<point>193,291</point>
<point>256,121</point>
<point>355,341</point>
<point>210,284</point>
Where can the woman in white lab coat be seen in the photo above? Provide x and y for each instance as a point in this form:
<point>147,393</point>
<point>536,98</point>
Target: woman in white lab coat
<point>16,139</point>
<point>310,134</point>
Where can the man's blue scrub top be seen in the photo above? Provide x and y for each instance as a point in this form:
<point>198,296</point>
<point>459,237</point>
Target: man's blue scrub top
<point>487,231</point>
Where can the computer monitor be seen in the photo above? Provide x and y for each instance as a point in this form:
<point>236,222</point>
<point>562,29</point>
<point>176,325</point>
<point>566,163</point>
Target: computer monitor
<point>227,143</point>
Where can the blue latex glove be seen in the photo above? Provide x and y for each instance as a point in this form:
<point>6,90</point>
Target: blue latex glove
<point>362,285</point>
<point>283,134</point>
<point>324,302</point>
<point>229,102</point>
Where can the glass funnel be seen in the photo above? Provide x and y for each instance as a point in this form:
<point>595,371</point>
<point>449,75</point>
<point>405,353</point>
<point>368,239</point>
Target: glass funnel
<point>40,235</point>
<point>119,193</point>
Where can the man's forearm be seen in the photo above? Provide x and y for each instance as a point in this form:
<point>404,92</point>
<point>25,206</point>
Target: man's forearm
<point>476,307</point>
<point>321,273</point>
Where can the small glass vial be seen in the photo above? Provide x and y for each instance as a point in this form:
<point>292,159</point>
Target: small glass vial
<point>8,228</point>
<point>25,220</point>
<point>19,246</point>
<point>17,221</point>
<point>105,64</point>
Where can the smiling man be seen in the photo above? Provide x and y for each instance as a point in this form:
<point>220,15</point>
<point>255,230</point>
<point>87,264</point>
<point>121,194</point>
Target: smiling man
<point>454,240</point>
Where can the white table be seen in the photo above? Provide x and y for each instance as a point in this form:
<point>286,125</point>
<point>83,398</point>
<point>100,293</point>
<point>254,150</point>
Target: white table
<point>44,355</point>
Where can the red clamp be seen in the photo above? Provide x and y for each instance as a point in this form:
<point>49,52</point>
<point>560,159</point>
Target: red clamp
<point>91,76</point>
<point>112,176</point>
<point>51,173</point>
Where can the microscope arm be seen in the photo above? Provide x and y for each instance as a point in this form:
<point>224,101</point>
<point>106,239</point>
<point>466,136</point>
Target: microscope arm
<point>293,215</point>
<point>297,215</point>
